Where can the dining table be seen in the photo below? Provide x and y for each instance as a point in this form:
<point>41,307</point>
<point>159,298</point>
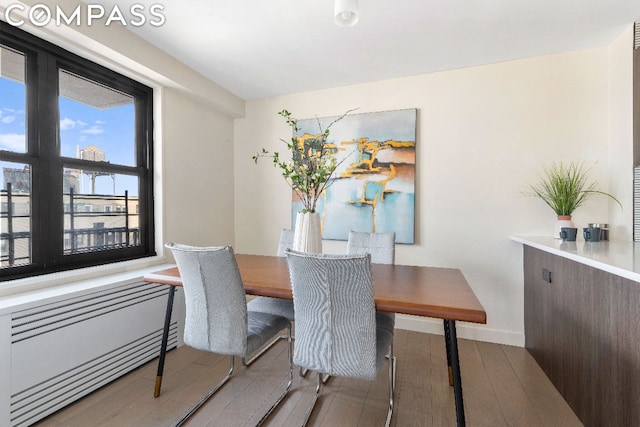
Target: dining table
<point>435,292</point>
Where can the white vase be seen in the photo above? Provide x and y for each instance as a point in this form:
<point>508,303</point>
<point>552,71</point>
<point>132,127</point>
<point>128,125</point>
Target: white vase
<point>307,236</point>
<point>563,221</point>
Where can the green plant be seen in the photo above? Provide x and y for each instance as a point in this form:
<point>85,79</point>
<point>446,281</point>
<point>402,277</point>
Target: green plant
<point>566,187</point>
<point>312,161</point>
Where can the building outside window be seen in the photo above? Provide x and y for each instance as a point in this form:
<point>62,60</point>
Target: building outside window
<point>75,142</point>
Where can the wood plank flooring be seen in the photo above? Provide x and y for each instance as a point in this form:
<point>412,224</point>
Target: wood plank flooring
<point>503,386</point>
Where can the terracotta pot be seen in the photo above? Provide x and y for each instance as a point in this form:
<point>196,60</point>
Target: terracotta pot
<point>563,221</point>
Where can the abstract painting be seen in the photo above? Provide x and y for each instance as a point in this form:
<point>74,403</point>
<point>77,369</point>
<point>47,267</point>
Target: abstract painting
<point>373,188</point>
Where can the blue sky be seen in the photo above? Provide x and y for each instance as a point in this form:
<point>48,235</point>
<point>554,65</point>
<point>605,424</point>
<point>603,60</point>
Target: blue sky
<point>111,130</point>
<point>12,118</point>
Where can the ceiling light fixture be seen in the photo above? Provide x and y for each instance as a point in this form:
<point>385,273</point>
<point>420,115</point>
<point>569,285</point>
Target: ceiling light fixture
<point>346,13</point>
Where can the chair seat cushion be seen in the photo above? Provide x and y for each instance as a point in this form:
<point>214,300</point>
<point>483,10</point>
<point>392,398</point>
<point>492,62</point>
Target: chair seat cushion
<point>277,306</point>
<point>262,328</point>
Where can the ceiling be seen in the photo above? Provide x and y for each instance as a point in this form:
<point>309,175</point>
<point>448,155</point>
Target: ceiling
<point>263,48</point>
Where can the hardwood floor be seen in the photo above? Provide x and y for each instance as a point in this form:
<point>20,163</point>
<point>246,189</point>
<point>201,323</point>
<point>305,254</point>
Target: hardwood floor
<point>503,386</point>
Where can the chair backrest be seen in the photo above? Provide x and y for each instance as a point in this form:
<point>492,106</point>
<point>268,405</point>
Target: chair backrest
<point>381,246</point>
<point>216,308</point>
<point>286,241</point>
<point>335,313</point>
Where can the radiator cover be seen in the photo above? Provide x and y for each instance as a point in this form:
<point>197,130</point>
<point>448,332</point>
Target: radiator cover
<point>63,350</point>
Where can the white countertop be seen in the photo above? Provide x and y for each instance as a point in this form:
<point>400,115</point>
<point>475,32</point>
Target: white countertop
<point>618,257</point>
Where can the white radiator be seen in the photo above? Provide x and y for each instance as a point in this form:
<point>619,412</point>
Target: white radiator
<point>65,349</point>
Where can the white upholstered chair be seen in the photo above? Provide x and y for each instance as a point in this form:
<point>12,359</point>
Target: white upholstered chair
<point>277,306</point>
<point>337,330</point>
<point>217,319</point>
<point>381,246</point>
<point>285,242</point>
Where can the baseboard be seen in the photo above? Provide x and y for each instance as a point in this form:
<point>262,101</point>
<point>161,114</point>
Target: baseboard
<point>465,330</point>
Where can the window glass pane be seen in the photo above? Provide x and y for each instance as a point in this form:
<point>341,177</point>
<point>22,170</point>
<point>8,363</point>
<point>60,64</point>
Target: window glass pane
<point>15,215</point>
<point>12,101</point>
<point>97,123</point>
<point>70,199</point>
<point>100,211</point>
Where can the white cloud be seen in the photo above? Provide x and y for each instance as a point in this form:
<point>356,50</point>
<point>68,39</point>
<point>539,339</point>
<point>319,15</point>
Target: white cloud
<point>9,115</point>
<point>12,142</point>
<point>94,130</point>
<point>67,123</point>
<point>101,122</point>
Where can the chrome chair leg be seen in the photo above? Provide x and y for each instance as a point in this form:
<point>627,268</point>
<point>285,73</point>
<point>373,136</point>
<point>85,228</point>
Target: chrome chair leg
<point>303,373</point>
<point>193,410</point>
<point>286,391</point>
<point>315,399</point>
<point>208,396</point>
<point>392,384</point>
<point>248,362</point>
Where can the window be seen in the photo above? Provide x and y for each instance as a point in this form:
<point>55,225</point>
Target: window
<point>75,141</point>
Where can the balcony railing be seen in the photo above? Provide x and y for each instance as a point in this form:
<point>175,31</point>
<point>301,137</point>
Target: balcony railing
<point>81,240</point>
<point>89,225</point>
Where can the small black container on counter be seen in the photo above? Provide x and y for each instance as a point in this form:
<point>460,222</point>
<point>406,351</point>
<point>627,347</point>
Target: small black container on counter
<point>604,229</point>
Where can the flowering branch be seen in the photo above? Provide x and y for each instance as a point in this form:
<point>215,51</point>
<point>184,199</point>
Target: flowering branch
<point>312,162</point>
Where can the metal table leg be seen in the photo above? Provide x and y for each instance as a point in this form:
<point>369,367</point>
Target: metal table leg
<point>165,339</point>
<point>455,367</point>
<point>447,338</point>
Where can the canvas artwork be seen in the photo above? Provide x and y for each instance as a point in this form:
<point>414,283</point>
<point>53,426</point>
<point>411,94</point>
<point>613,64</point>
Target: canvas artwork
<point>373,189</point>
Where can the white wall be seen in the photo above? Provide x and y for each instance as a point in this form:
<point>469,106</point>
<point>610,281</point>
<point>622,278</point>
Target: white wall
<point>621,135</point>
<point>197,172</point>
<point>483,134</point>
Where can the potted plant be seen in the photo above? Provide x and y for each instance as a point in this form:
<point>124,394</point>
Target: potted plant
<point>308,171</point>
<point>565,188</point>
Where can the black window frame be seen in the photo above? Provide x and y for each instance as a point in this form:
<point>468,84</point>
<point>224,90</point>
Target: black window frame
<point>43,62</point>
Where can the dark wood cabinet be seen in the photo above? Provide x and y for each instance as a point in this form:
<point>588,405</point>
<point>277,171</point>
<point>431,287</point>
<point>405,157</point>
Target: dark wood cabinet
<point>583,329</point>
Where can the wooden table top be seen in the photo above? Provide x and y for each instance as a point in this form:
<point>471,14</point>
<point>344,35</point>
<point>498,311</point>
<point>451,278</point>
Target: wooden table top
<point>423,291</point>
